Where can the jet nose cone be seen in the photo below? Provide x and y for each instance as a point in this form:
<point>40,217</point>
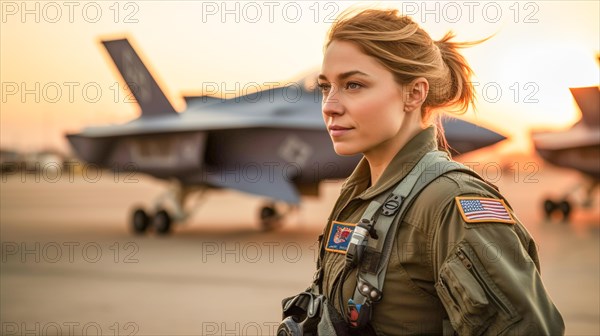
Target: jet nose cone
<point>464,136</point>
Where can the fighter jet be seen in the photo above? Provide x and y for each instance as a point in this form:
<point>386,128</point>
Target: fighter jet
<point>272,143</point>
<point>576,148</point>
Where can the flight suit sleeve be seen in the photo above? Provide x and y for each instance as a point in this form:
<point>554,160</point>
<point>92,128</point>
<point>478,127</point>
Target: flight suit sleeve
<point>487,273</point>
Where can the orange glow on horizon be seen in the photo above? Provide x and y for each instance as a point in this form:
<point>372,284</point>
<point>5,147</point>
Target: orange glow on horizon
<point>523,73</point>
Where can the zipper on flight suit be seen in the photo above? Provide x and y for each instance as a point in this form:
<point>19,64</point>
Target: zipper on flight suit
<point>464,258</point>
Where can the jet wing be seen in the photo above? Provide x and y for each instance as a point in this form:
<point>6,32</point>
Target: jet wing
<point>204,122</point>
<point>463,137</point>
<point>580,135</point>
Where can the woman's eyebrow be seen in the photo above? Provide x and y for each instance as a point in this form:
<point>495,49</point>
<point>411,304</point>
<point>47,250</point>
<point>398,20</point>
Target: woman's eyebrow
<point>345,75</point>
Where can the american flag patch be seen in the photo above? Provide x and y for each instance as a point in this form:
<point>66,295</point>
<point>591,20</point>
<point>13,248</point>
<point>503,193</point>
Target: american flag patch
<point>477,210</point>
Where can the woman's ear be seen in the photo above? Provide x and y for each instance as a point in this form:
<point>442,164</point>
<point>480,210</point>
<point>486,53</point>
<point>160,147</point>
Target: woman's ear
<point>415,94</point>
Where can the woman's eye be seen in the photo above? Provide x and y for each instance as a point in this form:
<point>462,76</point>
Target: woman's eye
<point>353,86</point>
<point>323,86</point>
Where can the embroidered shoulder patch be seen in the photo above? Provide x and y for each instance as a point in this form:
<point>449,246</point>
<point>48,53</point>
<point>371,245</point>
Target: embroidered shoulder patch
<point>339,236</point>
<point>480,209</point>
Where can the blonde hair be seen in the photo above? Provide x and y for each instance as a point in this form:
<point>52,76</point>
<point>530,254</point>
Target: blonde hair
<point>408,51</point>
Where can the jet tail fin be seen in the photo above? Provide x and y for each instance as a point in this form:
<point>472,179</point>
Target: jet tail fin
<point>588,100</point>
<point>146,91</point>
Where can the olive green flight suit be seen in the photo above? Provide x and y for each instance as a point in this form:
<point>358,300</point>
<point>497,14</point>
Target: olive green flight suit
<point>481,276</point>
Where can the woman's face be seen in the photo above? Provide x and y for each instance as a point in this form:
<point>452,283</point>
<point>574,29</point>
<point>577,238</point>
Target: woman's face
<point>362,106</point>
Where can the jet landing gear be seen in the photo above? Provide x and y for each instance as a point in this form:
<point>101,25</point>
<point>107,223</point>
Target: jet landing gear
<point>169,210</point>
<point>139,221</point>
<point>565,206</point>
<point>271,217</point>
<point>161,223</point>
<point>162,220</point>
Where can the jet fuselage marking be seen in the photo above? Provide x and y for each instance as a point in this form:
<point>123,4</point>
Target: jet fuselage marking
<point>163,152</point>
<point>293,149</point>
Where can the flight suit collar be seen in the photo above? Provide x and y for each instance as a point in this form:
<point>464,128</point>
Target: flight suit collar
<point>422,143</point>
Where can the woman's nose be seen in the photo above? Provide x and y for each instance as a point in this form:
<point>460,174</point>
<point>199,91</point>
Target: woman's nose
<point>332,104</point>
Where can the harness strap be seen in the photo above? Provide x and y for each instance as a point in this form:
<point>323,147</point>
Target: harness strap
<point>371,274</point>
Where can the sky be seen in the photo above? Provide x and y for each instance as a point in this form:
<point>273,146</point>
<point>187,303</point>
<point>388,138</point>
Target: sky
<point>57,78</point>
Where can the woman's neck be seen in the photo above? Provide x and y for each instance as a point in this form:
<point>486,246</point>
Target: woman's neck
<point>380,157</point>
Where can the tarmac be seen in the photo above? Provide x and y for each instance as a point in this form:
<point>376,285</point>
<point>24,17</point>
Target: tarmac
<point>71,266</point>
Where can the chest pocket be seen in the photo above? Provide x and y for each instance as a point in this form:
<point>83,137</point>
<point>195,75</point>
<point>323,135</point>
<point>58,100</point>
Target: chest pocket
<point>471,298</point>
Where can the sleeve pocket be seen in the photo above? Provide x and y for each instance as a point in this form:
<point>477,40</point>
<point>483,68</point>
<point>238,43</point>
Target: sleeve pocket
<point>473,302</point>
<point>465,301</point>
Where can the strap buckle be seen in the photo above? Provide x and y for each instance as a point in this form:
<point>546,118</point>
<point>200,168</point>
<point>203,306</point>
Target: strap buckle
<point>369,291</point>
<point>391,205</point>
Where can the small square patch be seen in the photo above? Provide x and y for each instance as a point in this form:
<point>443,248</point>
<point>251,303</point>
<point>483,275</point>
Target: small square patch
<point>339,237</point>
<point>480,210</point>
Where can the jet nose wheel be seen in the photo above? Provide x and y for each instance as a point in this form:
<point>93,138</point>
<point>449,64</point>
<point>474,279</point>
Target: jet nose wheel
<point>565,208</point>
<point>140,221</point>
<point>269,217</point>
<point>549,207</point>
<point>162,222</point>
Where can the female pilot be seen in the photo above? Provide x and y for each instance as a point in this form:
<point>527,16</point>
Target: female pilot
<point>461,261</point>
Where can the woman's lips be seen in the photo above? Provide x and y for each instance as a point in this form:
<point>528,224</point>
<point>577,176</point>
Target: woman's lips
<point>337,131</point>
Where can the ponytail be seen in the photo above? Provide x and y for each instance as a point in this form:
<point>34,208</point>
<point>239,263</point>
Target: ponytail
<point>458,90</point>
<point>455,89</point>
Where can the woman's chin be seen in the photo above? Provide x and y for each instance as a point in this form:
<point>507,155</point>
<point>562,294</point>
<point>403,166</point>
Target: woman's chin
<point>344,150</point>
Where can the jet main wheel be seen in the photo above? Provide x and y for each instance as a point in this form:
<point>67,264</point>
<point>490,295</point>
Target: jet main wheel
<point>140,221</point>
<point>162,222</point>
<point>549,207</point>
<point>269,217</point>
<point>565,208</point>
